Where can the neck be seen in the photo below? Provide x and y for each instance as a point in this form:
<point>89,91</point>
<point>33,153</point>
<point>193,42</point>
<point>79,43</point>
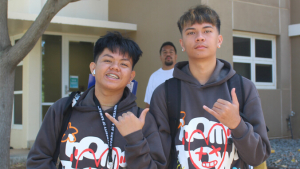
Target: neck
<point>107,99</point>
<point>202,69</point>
<point>165,67</point>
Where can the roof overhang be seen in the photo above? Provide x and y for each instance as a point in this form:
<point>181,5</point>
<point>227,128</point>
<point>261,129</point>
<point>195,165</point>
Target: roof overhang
<point>20,22</point>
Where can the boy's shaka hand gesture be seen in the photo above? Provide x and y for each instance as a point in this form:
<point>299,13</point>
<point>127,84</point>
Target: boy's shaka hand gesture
<point>128,122</point>
<point>227,113</point>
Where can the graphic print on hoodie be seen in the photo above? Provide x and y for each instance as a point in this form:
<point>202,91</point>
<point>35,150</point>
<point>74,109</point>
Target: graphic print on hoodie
<point>214,138</point>
<point>84,143</point>
<point>89,150</point>
<point>201,140</point>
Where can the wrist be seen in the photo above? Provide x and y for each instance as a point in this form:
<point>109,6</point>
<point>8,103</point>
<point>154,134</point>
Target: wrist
<point>134,137</point>
<point>236,124</point>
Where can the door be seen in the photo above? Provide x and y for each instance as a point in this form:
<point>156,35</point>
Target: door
<point>65,67</point>
<point>77,56</point>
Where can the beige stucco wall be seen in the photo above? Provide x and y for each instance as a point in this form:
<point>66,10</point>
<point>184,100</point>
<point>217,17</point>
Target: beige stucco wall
<point>155,26</point>
<point>296,84</point>
<point>34,92</point>
<point>295,12</point>
<point>90,9</point>
<point>295,41</point>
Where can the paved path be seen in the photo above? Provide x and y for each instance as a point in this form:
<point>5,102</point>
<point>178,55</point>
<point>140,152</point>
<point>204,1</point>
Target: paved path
<point>18,157</point>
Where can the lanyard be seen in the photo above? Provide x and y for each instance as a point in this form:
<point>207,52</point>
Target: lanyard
<point>109,140</point>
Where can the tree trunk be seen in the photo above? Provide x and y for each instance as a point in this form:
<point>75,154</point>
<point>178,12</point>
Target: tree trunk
<point>7,77</point>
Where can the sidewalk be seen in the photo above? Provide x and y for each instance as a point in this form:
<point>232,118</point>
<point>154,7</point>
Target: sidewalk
<point>18,156</point>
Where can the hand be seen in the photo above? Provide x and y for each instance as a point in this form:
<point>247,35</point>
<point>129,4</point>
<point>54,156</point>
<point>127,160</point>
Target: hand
<point>227,113</point>
<point>128,122</point>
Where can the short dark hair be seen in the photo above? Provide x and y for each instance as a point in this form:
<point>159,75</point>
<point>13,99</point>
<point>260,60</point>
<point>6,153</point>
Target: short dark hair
<point>199,14</point>
<point>166,44</point>
<point>115,41</point>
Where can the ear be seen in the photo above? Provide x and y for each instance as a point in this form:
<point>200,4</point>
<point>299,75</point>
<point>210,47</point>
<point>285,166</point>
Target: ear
<point>220,40</point>
<point>181,44</point>
<point>132,76</point>
<point>92,67</point>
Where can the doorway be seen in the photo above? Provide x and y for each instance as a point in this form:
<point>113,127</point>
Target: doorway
<point>65,66</point>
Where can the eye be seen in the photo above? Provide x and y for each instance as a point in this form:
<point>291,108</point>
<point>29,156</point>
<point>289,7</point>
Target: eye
<point>106,60</point>
<point>215,150</point>
<point>124,64</point>
<point>191,33</point>
<point>207,31</point>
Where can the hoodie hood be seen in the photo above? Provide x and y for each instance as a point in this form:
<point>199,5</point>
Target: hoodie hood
<point>87,104</point>
<point>223,71</point>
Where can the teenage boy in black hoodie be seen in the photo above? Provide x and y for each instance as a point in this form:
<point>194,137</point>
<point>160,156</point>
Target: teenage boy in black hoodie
<point>86,142</point>
<point>209,117</point>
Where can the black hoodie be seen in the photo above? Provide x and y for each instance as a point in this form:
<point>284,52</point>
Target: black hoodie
<point>201,140</point>
<point>84,144</point>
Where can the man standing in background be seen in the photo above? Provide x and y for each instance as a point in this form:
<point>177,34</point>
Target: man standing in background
<point>168,56</point>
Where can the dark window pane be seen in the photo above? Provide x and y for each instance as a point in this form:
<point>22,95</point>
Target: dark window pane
<point>243,69</point>
<point>44,111</point>
<point>263,73</point>
<point>51,68</point>
<point>241,46</point>
<point>80,57</point>
<point>18,109</point>
<point>18,78</point>
<point>263,48</point>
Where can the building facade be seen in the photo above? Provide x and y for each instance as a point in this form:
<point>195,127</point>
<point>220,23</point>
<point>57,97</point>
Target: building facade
<point>258,40</point>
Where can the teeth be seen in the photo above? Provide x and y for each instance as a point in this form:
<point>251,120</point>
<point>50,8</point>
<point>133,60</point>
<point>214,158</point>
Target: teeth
<point>209,164</point>
<point>113,76</point>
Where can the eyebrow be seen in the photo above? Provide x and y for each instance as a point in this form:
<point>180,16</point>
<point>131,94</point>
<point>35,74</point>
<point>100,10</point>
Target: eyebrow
<point>189,29</point>
<point>208,26</point>
<point>108,55</point>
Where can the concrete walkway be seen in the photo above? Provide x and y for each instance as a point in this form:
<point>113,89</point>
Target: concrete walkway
<point>18,156</point>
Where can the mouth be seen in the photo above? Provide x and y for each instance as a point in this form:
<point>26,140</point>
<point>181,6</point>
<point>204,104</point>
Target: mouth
<point>209,164</point>
<point>113,76</point>
<point>200,47</point>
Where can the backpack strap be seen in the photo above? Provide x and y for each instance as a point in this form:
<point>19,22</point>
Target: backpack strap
<point>236,81</point>
<point>173,100</point>
<point>138,114</point>
<point>74,96</point>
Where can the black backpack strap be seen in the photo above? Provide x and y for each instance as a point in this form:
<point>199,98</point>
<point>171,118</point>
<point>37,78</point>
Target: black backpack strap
<point>236,81</point>
<point>173,100</point>
<point>138,114</point>
<point>66,118</point>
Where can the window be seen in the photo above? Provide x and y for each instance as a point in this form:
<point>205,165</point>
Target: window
<point>17,115</point>
<point>254,57</point>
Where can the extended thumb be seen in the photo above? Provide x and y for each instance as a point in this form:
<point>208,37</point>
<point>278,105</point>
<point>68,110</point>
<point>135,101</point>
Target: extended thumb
<point>143,114</point>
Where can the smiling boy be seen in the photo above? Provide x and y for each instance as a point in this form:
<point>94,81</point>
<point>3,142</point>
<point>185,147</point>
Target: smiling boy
<point>209,114</point>
<point>91,140</point>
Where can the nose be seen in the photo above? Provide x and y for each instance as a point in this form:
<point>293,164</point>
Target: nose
<point>200,37</point>
<point>114,66</point>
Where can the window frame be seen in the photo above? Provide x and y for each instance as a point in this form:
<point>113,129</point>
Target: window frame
<point>252,60</point>
<point>13,125</point>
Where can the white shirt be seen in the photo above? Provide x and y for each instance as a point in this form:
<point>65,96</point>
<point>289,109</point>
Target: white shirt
<point>157,78</point>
